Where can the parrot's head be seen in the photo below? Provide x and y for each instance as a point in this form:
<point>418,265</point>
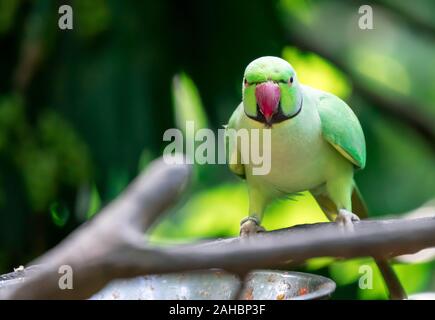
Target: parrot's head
<point>271,92</point>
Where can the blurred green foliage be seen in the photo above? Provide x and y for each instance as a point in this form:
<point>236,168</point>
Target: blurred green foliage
<point>7,13</point>
<point>187,103</point>
<point>83,111</point>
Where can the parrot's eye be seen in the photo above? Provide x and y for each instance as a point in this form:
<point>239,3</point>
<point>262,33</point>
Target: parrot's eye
<point>245,82</point>
<point>290,81</point>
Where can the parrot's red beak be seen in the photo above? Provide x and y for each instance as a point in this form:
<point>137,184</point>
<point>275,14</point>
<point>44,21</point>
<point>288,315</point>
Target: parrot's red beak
<point>268,95</point>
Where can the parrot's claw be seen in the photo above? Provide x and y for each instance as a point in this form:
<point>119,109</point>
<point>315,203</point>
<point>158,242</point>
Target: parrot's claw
<point>250,226</point>
<point>346,219</point>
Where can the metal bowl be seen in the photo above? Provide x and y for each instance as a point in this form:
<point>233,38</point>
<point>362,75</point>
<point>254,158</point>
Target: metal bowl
<point>16,277</point>
<point>205,285</point>
<point>260,285</point>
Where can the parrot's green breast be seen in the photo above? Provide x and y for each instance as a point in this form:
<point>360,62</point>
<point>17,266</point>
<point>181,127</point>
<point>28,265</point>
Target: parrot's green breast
<point>325,138</point>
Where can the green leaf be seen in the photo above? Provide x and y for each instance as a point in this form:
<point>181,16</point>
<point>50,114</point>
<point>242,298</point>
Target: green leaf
<point>414,277</point>
<point>301,209</point>
<point>347,272</point>
<point>59,214</point>
<point>94,202</point>
<point>318,263</point>
<point>8,9</point>
<point>214,212</point>
<point>145,158</point>
<point>187,103</point>
<point>317,72</point>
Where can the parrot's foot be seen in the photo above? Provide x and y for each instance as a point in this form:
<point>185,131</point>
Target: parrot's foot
<point>250,226</point>
<point>346,219</point>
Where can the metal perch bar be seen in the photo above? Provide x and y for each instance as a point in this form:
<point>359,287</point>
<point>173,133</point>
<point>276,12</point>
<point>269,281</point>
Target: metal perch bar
<point>112,245</point>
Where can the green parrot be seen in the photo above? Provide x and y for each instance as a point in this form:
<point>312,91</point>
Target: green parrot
<point>317,144</point>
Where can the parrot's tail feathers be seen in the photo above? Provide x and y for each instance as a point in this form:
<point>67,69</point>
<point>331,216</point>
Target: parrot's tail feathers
<point>328,207</point>
<point>359,207</point>
<point>293,196</point>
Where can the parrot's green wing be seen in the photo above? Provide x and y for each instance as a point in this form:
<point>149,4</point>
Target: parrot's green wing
<point>233,154</point>
<point>341,128</point>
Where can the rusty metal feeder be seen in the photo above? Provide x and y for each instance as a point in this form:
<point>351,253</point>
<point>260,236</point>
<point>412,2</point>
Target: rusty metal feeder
<point>205,285</point>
